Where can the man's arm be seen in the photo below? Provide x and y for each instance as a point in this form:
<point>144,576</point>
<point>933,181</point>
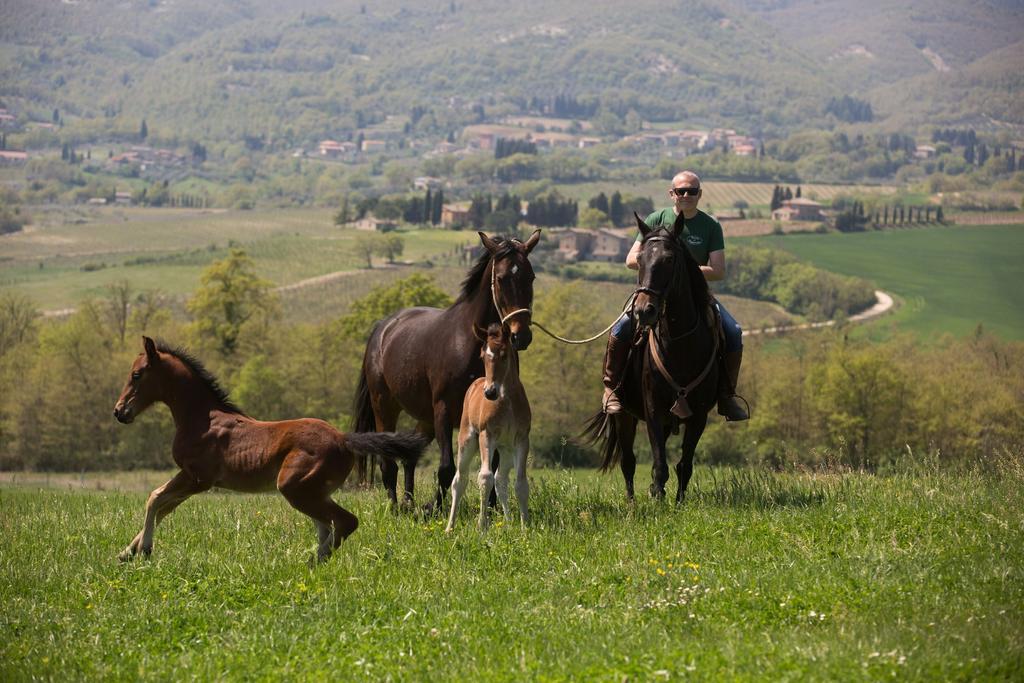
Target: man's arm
<point>715,270</point>
<point>631,257</point>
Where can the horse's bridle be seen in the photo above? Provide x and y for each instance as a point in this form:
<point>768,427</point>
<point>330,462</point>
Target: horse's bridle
<point>660,294</point>
<point>494,296</point>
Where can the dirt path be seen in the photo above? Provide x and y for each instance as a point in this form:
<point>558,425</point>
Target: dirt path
<point>883,303</point>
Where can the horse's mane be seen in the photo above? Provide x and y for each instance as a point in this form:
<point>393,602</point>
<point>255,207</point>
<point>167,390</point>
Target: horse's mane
<point>204,375</point>
<point>699,289</point>
<point>476,274</point>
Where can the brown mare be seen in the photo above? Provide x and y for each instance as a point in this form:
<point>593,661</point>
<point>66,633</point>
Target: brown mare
<point>495,413</point>
<point>422,360</point>
<point>216,444</point>
<point>673,376</point>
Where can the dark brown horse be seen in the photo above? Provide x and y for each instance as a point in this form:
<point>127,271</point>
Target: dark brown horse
<point>216,444</point>
<point>673,373</point>
<point>422,360</point>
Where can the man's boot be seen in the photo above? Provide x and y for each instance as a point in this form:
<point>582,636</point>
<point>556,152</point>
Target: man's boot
<point>728,374</point>
<point>615,358</point>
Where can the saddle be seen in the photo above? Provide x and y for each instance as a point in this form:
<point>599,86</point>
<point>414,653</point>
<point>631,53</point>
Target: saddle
<point>646,335</point>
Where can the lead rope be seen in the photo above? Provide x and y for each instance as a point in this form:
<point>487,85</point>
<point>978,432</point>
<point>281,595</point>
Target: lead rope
<point>504,319</point>
<point>626,306</point>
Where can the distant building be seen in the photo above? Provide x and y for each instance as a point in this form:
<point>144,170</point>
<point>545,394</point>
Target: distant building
<point>332,149</point>
<point>455,214</point>
<point>924,152</point>
<point>574,244</point>
<point>612,244</point>
<point>10,157</point>
<point>374,145</point>
<point>374,224</point>
<point>426,182</point>
<point>798,209</point>
<point>122,197</point>
<point>605,244</point>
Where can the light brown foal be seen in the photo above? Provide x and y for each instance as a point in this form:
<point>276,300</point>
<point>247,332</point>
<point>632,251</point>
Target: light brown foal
<point>495,413</point>
<point>216,444</point>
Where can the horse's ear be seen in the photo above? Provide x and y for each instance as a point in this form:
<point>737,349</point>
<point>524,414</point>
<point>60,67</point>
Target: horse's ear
<point>489,244</point>
<point>532,242</point>
<point>151,353</point>
<point>644,228</point>
<point>677,227</point>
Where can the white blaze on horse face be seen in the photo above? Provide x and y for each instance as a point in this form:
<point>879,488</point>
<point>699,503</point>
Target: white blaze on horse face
<point>515,269</point>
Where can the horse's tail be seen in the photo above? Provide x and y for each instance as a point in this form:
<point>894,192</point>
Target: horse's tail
<point>364,420</point>
<point>603,428</point>
<point>404,446</point>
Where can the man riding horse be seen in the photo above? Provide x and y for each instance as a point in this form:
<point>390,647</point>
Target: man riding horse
<point>703,237</point>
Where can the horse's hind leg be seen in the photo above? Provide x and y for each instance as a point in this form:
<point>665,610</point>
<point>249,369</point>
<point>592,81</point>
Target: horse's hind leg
<point>626,434</point>
<point>162,501</point>
<point>389,476</point>
<point>693,428</point>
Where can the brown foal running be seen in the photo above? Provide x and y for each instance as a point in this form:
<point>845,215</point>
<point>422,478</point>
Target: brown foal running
<point>216,444</point>
<point>495,413</point>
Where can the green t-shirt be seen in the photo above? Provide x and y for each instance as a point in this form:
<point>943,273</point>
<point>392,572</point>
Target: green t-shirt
<point>702,234</point>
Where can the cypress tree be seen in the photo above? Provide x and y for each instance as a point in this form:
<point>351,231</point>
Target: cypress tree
<point>435,214</point>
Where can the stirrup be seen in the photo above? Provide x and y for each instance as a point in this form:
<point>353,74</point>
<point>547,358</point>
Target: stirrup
<point>734,417</point>
<point>611,404</point>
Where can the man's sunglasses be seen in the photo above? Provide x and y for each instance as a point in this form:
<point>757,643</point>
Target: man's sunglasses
<point>683,191</point>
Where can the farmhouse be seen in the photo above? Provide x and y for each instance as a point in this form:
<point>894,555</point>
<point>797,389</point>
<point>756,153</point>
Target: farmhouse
<point>606,244</point>
<point>798,209</point>
<point>374,145</point>
<point>372,223</point>
<point>332,149</point>
<point>9,157</point>
<point>455,214</point>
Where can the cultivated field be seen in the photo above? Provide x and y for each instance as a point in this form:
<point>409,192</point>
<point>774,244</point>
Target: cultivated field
<point>760,576</point>
<point>949,278</point>
<point>719,195</point>
<point>73,254</point>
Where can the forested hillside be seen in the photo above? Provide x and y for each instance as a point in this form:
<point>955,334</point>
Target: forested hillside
<point>293,73</point>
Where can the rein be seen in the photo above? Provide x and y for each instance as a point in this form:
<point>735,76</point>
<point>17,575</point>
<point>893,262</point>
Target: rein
<point>681,407</point>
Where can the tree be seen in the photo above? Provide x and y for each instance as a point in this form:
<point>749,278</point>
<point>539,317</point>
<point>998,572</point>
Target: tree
<point>143,130</point>
<point>592,218</point>
<point>117,304</point>
<point>436,208</point>
<point>392,247</point>
<point>600,202</point>
<point>382,301</point>
<point>17,320</point>
<point>344,215</point>
<point>365,246</point>
<point>230,299</point>
<point>616,210</point>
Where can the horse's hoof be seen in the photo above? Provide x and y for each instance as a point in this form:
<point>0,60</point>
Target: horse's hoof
<point>127,555</point>
<point>407,505</point>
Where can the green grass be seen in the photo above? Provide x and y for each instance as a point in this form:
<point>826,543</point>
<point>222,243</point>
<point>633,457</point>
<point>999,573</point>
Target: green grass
<point>55,261</point>
<point>949,279</point>
<point>758,577</point>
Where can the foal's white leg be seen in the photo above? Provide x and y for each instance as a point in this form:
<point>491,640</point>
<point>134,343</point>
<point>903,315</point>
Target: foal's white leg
<point>501,478</point>
<point>522,449</point>
<point>486,478</point>
<point>161,503</point>
<point>467,447</point>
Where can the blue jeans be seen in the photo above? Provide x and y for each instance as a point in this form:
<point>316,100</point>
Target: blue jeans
<point>625,326</point>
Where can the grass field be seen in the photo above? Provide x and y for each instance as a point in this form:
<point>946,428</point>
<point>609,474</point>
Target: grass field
<point>71,254</point>
<point>949,278</point>
<point>758,577</point>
